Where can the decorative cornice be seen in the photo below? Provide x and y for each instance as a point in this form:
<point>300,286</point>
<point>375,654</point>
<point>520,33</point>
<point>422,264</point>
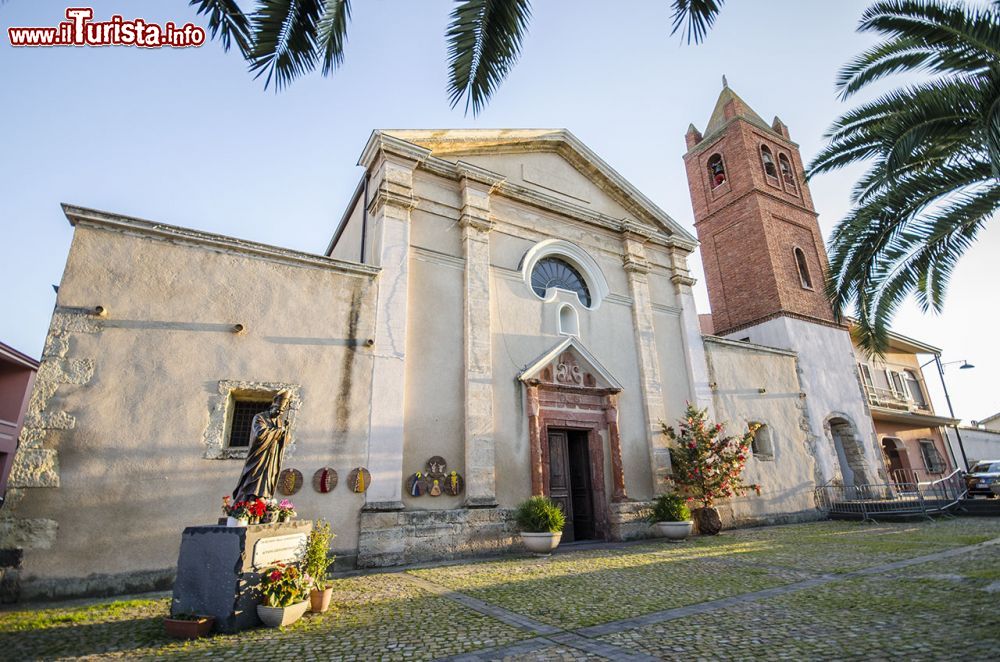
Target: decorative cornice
<point>634,265</point>
<point>664,308</point>
<point>82,216</point>
<point>679,279</point>
<point>383,142</point>
<point>474,222</point>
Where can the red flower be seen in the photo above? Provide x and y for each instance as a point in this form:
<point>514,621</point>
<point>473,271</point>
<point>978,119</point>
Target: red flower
<point>275,576</point>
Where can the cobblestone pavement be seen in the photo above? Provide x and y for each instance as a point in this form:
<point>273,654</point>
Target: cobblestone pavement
<point>822,590</point>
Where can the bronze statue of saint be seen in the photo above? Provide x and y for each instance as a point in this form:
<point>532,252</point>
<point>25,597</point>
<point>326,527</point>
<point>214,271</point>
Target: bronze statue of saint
<point>268,434</point>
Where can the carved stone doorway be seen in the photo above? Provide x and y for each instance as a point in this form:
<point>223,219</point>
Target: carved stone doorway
<point>572,407</point>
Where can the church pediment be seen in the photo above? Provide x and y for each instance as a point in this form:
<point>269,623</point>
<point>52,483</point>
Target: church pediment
<point>569,364</point>
<point>552,161</point>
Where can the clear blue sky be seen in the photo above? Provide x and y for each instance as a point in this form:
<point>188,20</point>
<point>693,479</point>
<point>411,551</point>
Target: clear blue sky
<point>187,137</point>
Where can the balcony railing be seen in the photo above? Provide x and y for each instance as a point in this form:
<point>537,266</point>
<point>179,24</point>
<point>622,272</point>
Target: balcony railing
<point>890,399</point>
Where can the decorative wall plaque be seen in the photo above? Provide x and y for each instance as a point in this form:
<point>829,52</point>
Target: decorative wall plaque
<point>324,480</point>
<point>279,549</point>
<point>359,479</point>
<point>436,465</point>
<point>453,483</point>
<point>290,481</point>
<point>416,484</point>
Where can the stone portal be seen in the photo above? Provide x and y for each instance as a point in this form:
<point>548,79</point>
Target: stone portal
<point>572,398</point>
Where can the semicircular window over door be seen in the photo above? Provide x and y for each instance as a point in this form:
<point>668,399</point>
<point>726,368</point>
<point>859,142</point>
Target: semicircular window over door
<point>554,272</point>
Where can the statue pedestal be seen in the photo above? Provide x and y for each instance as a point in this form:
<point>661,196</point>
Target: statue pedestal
<point>218,569</point>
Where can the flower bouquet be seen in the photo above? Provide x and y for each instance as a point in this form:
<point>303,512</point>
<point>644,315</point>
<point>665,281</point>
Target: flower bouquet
<point>241,513</point>
<point>280,511</point>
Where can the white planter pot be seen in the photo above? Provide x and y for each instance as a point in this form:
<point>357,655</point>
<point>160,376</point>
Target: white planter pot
<point>674,531</point>
<point>232,521</point>
<point>541,543</point>
<point>279,617</point>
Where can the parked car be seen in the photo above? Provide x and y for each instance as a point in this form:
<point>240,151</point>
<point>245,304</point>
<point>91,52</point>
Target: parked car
<point>982,477</point>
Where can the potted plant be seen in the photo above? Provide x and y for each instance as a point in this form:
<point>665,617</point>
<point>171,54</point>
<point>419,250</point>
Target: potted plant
<point>707,465</point>
<point>285,590</point>
<point>188,626</point>
<point>278,511</point>
<point>541,523</point>
<point>237,513</point>
<point>315,562</point>
<point>671,517</point>
<point>256,509</point>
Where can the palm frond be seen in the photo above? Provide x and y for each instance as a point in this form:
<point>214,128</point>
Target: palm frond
<point>484,42</point>
<point>934,36</point>
<point>227,22</point>
<point>288,41</point>
<point>331,33</point>
<point>694,18</point>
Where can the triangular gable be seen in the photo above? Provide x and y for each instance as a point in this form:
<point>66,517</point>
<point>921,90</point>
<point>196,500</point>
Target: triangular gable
<point>458,142</point>
<point>570,364</point>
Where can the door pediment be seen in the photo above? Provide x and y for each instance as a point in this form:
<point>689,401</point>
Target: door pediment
<point>570,365</point>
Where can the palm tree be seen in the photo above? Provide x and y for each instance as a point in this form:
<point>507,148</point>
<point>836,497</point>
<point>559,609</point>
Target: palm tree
<point>934,154</point>
<point>285,39</point>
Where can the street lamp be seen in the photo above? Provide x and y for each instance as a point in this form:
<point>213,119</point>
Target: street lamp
<point>940,366</point>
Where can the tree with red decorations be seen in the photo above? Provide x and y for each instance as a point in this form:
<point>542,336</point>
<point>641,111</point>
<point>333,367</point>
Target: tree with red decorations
<point>706,464</point>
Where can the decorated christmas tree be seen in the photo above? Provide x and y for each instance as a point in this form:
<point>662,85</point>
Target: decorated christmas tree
<point>707,465</point>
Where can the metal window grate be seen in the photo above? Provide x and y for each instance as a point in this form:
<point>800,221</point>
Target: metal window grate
<point>243,413</point>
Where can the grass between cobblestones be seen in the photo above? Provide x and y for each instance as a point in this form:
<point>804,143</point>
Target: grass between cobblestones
<point>945,617</point>
<point>929,610</point>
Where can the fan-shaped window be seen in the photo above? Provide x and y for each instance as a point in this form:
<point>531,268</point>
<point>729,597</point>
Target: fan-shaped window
<point>768,160</point>
<point>800,262</point>
<point>716,170</point>
<point>553,272</point>
<point>786,170</point>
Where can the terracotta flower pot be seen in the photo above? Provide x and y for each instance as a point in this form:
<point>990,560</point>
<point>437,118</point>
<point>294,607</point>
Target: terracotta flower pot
<point>188,629</point>
<point>541,544</point>
<point>709,521</point>
<point>279,617</point>
<point>675,531</point>
<point>319,600</point>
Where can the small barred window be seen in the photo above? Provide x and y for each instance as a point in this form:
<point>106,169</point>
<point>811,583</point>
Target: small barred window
<point>243,413</point>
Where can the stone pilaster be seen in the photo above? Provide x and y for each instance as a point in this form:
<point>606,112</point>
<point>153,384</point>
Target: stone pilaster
<point>480,461</point>
<point>535,441</point>
<point>389,210</point>
<point>694,346</point>
<point>615,443</point>
<point>637,269</point>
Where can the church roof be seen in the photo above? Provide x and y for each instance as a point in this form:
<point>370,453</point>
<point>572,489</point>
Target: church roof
<point>742,109</point>
<point>456,142</point>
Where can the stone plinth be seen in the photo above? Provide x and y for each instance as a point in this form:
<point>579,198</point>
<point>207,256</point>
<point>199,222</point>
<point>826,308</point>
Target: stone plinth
<point>218,569</point>
<point>417,536</point>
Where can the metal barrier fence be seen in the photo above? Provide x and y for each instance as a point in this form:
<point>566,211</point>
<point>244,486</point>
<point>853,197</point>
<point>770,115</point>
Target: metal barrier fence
<point>893,499</point>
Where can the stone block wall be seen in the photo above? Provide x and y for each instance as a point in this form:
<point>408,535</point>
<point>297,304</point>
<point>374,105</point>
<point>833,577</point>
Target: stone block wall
<point>627,520</point>
<point>418,536</point>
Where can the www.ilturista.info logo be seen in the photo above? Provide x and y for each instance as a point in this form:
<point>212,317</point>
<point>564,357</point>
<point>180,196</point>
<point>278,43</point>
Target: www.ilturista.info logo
<point>80,30</point>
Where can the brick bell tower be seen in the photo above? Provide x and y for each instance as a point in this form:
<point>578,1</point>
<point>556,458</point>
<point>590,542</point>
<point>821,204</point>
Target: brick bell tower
<point>765,267</point>
<point>760,240</point>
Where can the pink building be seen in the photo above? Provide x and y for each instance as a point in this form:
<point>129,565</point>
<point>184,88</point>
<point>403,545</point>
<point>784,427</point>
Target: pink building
<point>17,375</point>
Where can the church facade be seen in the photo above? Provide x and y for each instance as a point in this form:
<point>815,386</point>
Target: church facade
<point>499,314</point>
